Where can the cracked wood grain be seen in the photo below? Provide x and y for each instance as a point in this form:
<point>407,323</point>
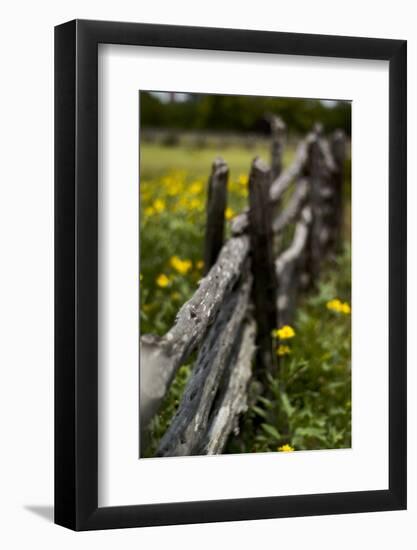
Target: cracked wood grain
<point>232,398</point>
<point>191,419</point>
<point>264,283</point>
<point>216,206</point>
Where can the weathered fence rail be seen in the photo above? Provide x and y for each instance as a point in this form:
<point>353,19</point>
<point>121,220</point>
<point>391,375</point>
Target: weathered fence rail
<point>250,287</point>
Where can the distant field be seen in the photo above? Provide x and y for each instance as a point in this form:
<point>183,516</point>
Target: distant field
<point>157,160</point>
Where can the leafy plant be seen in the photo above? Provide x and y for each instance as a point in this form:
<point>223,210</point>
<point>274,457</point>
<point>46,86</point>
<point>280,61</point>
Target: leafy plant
<point>307,404</point>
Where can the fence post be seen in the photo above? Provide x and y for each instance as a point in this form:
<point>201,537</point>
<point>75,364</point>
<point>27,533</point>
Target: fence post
<point>316,171</point>
<point>264,285</point>
<point>277,145</point>
<point>338,148</point>
<point>216,205</point>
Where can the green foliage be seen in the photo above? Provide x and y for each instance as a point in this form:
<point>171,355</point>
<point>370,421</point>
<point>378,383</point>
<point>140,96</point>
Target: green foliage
<point>241,113</point>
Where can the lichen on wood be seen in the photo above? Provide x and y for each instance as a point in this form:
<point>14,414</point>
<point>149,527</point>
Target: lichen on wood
<point>191,419</point>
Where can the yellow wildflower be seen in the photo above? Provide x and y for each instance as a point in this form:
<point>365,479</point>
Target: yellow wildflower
<point>283,350</point>
<point>196,187</point>
<point>285,448</point>
<point>199,264</point>
<point>345,308</point>
<point>182,266</point>
<point>338,306</point>
<point>284,333</point>
<point>243,179</point>
<point>162,280</point>
<point>229,213</point>
<point>159,205</point>
<point>174,189</point>
<point>195,204</point>
<point>149,211</point>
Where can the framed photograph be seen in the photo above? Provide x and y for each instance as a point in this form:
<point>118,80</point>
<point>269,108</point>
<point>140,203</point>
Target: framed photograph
<point>230,254</point>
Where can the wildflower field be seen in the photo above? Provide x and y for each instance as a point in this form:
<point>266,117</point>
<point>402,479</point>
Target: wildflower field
<point>309,405</point>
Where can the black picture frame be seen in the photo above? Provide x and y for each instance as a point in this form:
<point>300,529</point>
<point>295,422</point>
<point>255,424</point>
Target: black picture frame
<point>76,271</point>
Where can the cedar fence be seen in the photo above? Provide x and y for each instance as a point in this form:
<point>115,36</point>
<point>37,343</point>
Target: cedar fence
<point>250,287</point>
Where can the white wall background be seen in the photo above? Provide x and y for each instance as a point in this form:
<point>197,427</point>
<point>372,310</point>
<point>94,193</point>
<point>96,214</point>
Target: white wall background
<point>26,287</point>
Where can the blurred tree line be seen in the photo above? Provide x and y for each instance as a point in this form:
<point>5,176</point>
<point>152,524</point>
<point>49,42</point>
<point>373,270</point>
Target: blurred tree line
<point>240,113</point>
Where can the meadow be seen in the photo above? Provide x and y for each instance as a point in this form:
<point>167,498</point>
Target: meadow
<point>309,405</point>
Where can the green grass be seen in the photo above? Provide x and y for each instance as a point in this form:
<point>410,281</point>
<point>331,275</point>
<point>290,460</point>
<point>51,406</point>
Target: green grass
<point>308,405</point>
<point>157,160</point>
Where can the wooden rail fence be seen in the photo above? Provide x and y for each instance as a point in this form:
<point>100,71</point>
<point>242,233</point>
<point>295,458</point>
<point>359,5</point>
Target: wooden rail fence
<point>250,287</point>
